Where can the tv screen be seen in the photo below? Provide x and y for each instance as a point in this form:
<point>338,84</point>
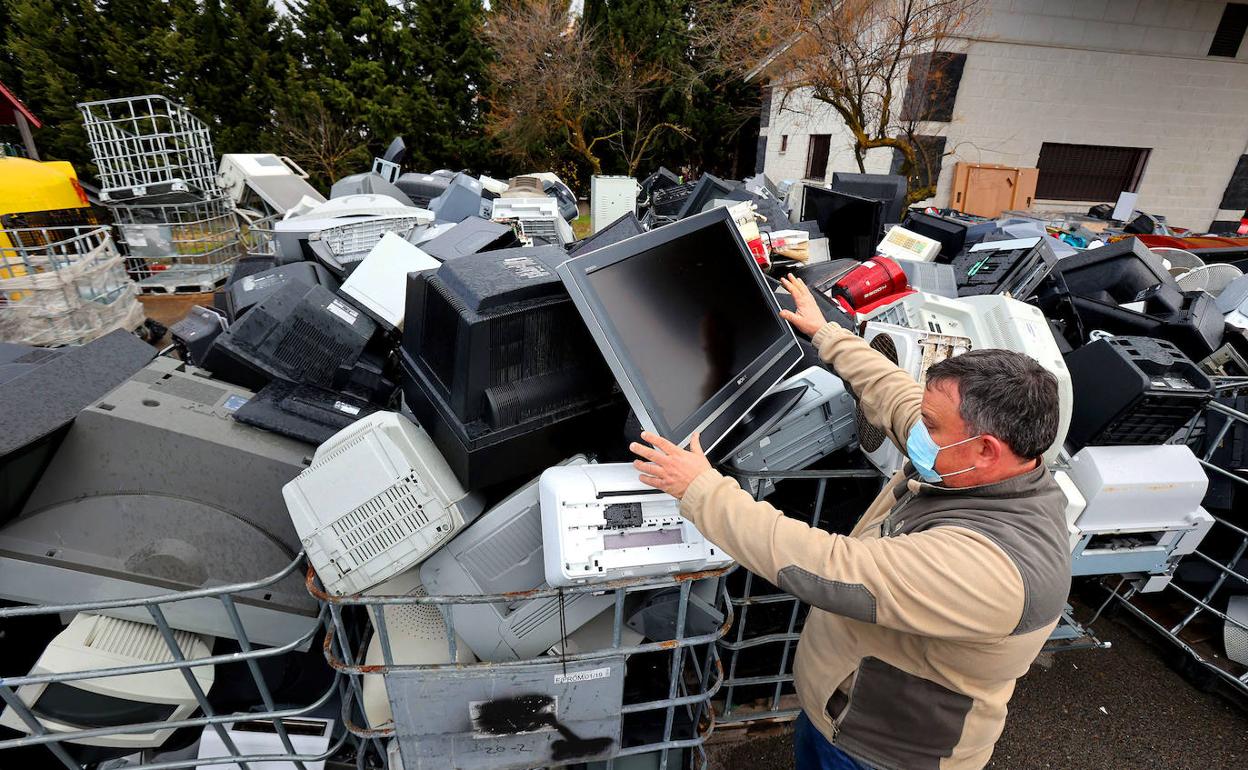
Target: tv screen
<point>853,226</point>
<point>685,319</point>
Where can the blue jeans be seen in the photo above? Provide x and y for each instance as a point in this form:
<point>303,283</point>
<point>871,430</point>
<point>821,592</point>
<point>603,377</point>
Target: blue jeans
<point>813,752</point>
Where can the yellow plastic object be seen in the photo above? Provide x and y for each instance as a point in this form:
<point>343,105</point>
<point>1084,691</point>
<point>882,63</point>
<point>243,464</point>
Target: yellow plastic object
<point>29,185</point>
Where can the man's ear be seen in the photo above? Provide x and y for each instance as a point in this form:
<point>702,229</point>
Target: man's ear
<point>992,450</point>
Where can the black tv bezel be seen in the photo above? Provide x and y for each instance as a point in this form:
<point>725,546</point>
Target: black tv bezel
<point>774,364</point>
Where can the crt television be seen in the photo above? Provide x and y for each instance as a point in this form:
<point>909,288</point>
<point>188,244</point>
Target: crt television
<point>687,324</point>
<point>853,225</point>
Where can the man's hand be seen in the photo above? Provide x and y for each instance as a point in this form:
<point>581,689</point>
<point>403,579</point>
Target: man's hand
<point>808,319</point>
<point>666,466</point>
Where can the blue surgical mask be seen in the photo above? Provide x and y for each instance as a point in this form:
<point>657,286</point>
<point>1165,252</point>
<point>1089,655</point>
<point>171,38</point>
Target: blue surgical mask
<point>922,450</point>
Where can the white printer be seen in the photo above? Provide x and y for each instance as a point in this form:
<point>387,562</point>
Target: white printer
<point>600,523</point>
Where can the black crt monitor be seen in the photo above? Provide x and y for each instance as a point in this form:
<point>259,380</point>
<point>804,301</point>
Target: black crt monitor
<point>854,226</point>
<point>889,188</point>
<point>687,324</point>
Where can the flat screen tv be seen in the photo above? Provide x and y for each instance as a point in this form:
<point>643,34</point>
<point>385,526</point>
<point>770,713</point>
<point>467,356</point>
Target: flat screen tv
<point>687,324</point>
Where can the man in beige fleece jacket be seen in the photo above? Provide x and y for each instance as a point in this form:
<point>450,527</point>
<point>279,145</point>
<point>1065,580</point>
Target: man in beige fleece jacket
<point>924,616</point>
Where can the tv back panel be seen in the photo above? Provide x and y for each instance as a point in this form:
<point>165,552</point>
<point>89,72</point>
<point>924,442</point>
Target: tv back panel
<point>378,285</point>
<point>302,412</point>
<point>299,333</point>
<point>470,236</point>
<point>686,323</point>
<point>890,189</point>
<point>248,291</point>
<point>156,488</point>
<point>625,227</point>
<point>377,500</point>
<point>500,553</point>
<point>93,642</point>
<point>600,523</point>
<point>195,333</point>
<point>853,226</point>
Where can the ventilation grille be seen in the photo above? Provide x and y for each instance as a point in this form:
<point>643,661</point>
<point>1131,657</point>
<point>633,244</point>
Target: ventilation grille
<point>869,436</point>
<point>136,641</point>
<point>511,545</point>
<point>421,622</point>
<point>539,614</point>
<point>380,524</point>
<point>309,354</point>
<point>440,330</point>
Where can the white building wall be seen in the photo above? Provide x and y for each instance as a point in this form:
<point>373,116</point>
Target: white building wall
<point>1107,72</point>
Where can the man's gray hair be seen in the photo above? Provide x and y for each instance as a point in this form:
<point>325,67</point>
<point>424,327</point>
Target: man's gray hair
<point>1007,394</point>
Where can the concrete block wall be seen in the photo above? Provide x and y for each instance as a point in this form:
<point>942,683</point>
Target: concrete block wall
<point>1127,73</point>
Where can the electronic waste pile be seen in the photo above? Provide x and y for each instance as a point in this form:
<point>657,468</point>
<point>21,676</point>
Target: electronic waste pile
<point>426,386</point>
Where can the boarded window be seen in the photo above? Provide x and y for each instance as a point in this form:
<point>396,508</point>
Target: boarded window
<point>929,151</point>
<point>932,86</point>
<point>1236,195</point>
<point>1230,33</point>
<point>765,108</point>
<point>1085,172</point>
<point>760,155</point>
<point>817,156</point>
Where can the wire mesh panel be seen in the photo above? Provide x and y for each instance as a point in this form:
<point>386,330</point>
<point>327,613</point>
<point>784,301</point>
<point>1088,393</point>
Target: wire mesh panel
<point>610,694</point>
<point>105,688</point>
<point>63,286</point>
<point>179,247</point>
<point>758,650</point>
<point>1203,608</point>
<point>149,146</point>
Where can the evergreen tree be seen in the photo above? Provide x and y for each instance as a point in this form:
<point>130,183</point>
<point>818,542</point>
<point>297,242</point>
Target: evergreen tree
<point>447,37</point>
<point>232,70</point>
<point>358,59</point>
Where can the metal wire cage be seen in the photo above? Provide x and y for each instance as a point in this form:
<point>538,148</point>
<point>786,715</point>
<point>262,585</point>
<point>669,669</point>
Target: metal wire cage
<point>758,650</point>
<point>63,286</point>
<point>179,247</point>
<point>1194,611</point>
<point>147,146</point>
<point>181,663</point>
<point>570,706</point>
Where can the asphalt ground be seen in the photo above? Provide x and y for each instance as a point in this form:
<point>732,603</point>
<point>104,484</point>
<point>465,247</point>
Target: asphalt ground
<point>1082,710</point>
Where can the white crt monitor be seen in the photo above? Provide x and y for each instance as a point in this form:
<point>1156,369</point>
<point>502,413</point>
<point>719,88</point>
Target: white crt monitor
<point>93,642</point>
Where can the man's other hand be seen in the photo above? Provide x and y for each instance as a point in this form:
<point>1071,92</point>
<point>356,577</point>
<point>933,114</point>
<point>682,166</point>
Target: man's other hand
<point>666,466</point>
<point>808,319</point>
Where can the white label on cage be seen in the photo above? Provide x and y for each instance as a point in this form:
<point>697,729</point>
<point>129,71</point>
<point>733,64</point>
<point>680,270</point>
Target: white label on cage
<point>135,235</point>
<point>583,676</point>
<point>343,311</point>
<point>349,409</point>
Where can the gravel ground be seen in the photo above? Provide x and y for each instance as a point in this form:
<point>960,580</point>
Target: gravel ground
<point>1151,718</point>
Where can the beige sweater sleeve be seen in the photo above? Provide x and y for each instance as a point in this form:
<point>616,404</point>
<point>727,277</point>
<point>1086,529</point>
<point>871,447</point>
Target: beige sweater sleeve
<point>946,582</point>
<point>890,398</point>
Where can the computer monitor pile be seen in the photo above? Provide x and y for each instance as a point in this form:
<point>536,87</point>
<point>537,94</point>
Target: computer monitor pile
<point>429,402</point>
